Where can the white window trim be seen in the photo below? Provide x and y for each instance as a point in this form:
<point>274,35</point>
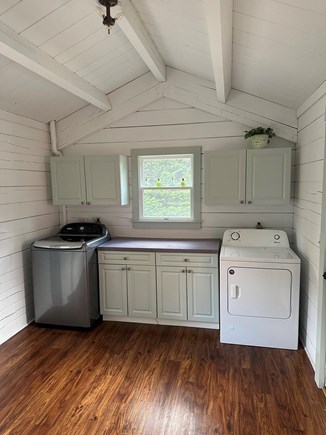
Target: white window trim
<point>141,222</point>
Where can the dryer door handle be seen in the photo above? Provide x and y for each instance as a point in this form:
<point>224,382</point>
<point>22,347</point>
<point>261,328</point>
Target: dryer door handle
<point>234,291</point>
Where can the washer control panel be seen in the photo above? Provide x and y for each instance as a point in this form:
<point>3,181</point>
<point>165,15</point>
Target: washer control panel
<point>255,238</point>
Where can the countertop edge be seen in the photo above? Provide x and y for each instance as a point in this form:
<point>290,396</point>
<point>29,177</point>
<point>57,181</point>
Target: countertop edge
<point>195,245</point>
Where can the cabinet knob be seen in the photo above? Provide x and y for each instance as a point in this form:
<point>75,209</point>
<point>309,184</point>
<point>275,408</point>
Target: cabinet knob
<point>242,201</point>
<point>128,268</point>
<point>183,271</point>
<point>82,203</point>
<point>125,258</point>
<point>88,203</point>
<point>186,259</point>
<point>123,268</point>
<point>189,271</point>
<point>249,202</point>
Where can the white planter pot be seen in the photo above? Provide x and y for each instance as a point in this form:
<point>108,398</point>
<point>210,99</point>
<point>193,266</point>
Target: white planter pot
<point>259,140</point>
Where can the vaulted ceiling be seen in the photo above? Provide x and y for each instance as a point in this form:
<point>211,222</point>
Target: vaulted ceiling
<point>56,57</point>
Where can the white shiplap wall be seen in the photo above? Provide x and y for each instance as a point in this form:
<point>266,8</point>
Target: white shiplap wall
<point>26,214</point>
<point>167,123</point>
<point>307,216</point>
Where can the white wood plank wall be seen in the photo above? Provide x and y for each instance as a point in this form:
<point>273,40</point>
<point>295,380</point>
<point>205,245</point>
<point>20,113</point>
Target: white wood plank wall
<point>26,214</point>
<point>307,216</point>
<point>167,123</point>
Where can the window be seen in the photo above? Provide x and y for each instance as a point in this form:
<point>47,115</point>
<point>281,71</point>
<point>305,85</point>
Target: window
<point>166,187</point>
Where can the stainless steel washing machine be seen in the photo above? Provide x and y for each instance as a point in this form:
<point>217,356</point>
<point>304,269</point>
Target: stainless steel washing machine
<point>65,275</point>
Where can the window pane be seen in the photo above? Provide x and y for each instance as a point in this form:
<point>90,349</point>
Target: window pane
<point>167,203</point>
<point>167,171</point>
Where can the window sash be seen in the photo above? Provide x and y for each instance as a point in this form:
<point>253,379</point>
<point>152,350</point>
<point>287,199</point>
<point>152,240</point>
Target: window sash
<point>143,218</point>
<point>136,155</point>
<point>143,159</point>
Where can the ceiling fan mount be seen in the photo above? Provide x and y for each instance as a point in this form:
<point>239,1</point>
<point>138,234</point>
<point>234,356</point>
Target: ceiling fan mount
<point>111,3</point>
<point>107,19</point>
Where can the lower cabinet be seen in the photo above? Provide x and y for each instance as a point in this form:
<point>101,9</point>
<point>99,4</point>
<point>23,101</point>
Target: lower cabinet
<point>127,289</point>
<point>187,293</point>
<point>141,291</point>
<point>113,290</point>
<point>181,287</point>
<point>171,293</point>
<point>202,294</point>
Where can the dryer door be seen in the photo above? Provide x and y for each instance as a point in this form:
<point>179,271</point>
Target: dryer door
<point>259,292</point>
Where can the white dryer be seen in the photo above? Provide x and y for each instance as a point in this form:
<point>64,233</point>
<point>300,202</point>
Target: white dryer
<point>259,289</point>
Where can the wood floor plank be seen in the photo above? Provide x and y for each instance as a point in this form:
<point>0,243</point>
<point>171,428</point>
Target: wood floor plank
<point>122,378</point>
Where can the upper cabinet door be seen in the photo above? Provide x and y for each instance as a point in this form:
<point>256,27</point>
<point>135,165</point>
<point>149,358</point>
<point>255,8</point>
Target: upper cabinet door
<point>269,176</point>
<point>106,180</point>
<point>101,180</point>
<point>68,180</point>
<point>225,177</point>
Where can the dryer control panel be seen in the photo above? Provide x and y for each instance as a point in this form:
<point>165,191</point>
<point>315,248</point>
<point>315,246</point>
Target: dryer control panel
<point>255,238</point>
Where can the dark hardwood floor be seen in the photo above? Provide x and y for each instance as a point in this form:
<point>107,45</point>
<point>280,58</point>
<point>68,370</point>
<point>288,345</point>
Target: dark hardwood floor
<point>124,378</point>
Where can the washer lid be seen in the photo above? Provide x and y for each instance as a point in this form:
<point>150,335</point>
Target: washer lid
<point>58,243</point>
<point>267,255</point>
<point>51,244</point>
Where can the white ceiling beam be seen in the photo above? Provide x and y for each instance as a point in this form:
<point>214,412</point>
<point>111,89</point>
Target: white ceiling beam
<point>319,93</point>
<point>19,50</point>
<point>125,101</point>
<point>186,88</point>
<point>134,29</point>
<point>219,24</point>
<point>241,108</point>
<point>232,114</point>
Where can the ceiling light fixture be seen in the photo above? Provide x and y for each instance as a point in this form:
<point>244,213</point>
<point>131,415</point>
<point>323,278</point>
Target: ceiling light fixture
<point>107,19</point>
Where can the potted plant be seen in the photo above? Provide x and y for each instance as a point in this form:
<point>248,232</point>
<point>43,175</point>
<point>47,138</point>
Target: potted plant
<point>259,136</point>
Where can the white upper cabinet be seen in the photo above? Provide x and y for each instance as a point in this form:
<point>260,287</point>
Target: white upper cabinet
<point>68,180</point>
<point>256,176</point>
<point>106,179</point>
<point>92,180</point>
<point>225,172</point>
<point>268,176</point>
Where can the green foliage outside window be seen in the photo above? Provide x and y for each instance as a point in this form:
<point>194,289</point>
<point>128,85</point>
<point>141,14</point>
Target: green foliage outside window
<point>167,203</point>
<point>166,183</point>
<point>169,170</point>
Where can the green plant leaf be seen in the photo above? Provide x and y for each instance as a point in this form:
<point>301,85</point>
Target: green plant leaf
<point>259,130</point>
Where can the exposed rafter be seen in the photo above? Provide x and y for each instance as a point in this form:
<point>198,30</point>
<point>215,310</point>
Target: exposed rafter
<point>319,93</point>
<point>219,25</point>
<point>126,100</point>
<point>26,54</point>
<point>132,26</point>
<point>183,87</point>
<point>242,108</point>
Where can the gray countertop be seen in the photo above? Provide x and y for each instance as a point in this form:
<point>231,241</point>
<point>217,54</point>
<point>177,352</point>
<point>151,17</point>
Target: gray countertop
<point>162,245</point>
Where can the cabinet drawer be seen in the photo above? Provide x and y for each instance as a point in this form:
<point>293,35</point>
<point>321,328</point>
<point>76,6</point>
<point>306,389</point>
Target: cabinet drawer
<point>184,259</point>
<point>126,257</point>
